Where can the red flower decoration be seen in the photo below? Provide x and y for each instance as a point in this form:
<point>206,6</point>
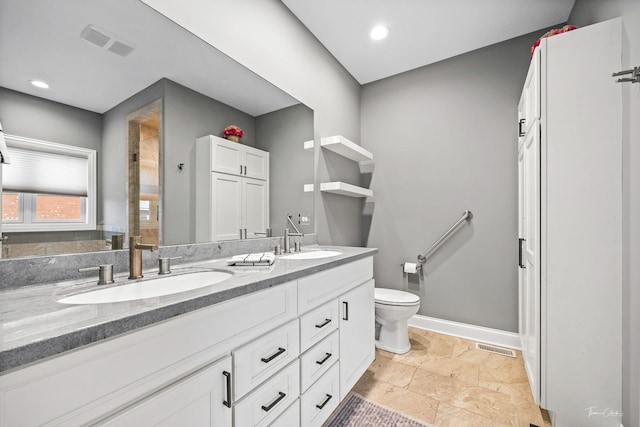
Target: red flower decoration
<point>233,130</point>
<point>552,33</point>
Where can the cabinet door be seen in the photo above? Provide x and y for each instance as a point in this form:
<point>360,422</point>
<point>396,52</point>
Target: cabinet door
<point>531,92</point>
<point>226,156</point>
<point>255,206</point>
<point>357,335</point>
<point>226,206</point>
<point>255,163</point>
<point>530,257</point>
<point>521,119</point>
<point>197,401</point>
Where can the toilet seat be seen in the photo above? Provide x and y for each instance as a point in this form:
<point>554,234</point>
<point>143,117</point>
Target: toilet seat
<point>394,297</point>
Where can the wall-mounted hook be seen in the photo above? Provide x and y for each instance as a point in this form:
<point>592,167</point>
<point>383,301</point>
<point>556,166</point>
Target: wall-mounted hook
<point>180,167</point>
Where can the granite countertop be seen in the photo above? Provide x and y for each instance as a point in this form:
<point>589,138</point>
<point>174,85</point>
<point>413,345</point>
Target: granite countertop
<point>34,325</point>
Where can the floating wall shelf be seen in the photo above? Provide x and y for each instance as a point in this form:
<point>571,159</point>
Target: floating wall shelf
<point>341,145</point>
<point>345,189</point>
<point>352,151</point>
<point>308,145</point>
<point>366,166</point>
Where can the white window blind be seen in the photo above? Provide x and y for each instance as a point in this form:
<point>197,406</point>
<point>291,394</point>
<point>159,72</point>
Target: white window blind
<point>48,168</point>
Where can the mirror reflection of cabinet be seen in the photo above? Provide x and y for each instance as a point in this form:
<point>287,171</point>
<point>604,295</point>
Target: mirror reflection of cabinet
<point>232,190</point>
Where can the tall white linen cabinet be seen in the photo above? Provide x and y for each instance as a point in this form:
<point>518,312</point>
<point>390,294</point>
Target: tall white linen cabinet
<point>232,190</point>
<point>570,226</point>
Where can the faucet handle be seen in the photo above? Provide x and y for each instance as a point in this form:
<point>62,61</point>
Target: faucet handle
<point>105,273</point>
<point>164,264</point>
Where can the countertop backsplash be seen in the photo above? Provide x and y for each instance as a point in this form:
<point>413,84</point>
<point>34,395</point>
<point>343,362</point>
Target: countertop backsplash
<point>17,272</point>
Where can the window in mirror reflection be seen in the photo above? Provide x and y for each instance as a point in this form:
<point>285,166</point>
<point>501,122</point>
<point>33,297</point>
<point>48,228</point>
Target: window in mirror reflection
<point>25,209</point>
<point>11,209</point>
<point>48,187</point>
<point>145,210</point>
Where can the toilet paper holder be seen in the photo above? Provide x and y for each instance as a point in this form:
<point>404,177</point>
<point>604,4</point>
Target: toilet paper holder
<point>418,269</point>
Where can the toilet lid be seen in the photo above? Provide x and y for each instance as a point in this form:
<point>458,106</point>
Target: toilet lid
<point>395,297</point>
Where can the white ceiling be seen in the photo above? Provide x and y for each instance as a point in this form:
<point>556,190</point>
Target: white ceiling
<point>40,39</point>
<point>422,31</point>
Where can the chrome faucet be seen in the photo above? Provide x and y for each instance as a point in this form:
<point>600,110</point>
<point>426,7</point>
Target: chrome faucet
<point>135,256</point>
<point>287,234</point>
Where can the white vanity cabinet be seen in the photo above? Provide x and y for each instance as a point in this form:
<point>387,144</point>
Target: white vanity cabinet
<point>570,210</point>
<point>352,286</point>
<point>357,341</point>
<point>272,357</point>
<point>232,190</point>
<point>82,386</point>
<point>201,399</point>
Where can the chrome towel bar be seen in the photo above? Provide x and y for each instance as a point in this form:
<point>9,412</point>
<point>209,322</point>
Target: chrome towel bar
<point>466,216</point>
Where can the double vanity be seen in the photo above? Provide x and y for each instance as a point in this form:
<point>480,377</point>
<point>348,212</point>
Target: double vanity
<point>208,344</point>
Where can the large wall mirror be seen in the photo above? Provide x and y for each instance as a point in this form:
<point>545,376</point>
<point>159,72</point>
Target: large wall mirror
<point>132,85</point>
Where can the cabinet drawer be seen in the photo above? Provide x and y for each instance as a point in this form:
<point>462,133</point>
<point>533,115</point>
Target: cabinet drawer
<point>317,324</point>
<point>321,399</point>
<point>326,285</point>
<point>258,360</point>
<point>290,417</point>
<point>271,399</point>
<point>198,400</point>
<point>315,362</point>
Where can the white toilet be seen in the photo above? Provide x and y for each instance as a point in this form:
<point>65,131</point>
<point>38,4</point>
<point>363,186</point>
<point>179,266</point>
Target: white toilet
<point>393,309</point>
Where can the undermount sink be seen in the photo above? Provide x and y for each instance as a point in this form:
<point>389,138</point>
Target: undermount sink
<point>158,287</point>
<point>312,255</point>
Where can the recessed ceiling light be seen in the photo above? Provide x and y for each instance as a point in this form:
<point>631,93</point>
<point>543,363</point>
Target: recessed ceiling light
<point>40,84</point>
<point>379,32</point>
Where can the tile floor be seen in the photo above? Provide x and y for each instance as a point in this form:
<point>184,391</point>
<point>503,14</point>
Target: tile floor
<point>445,381</point>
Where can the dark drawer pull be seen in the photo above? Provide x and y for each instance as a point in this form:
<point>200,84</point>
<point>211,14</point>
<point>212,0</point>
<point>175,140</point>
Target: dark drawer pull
<point>274,355</point>
<point>275,402</point>
<point>320,362</point>
<point>227,402</point>
<point>346,310</point>
<point>320,406</point>
<point>323,324</point>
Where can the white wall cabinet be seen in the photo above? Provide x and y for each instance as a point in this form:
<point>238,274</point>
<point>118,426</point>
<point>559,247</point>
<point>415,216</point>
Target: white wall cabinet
<point>570,210</point>
<point>232,190</point>
<point>235,363</point>
<point>235,158</point>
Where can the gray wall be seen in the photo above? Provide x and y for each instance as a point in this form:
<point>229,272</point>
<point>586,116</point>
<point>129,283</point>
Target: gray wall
<point>282,134</point>
<point>114,149</point>
<point>37,118</point>
<point>444,141</point>
<point>587,12</point>
<point>275,45</point>
<point>189,115</point>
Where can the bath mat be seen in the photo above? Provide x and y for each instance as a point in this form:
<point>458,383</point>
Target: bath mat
<point>356,411</point>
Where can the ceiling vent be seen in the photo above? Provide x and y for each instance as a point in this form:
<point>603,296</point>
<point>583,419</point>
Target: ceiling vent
<point>106,40</point>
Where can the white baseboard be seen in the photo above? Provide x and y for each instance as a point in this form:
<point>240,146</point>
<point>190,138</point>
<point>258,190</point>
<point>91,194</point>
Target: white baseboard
<point>464,330</point>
